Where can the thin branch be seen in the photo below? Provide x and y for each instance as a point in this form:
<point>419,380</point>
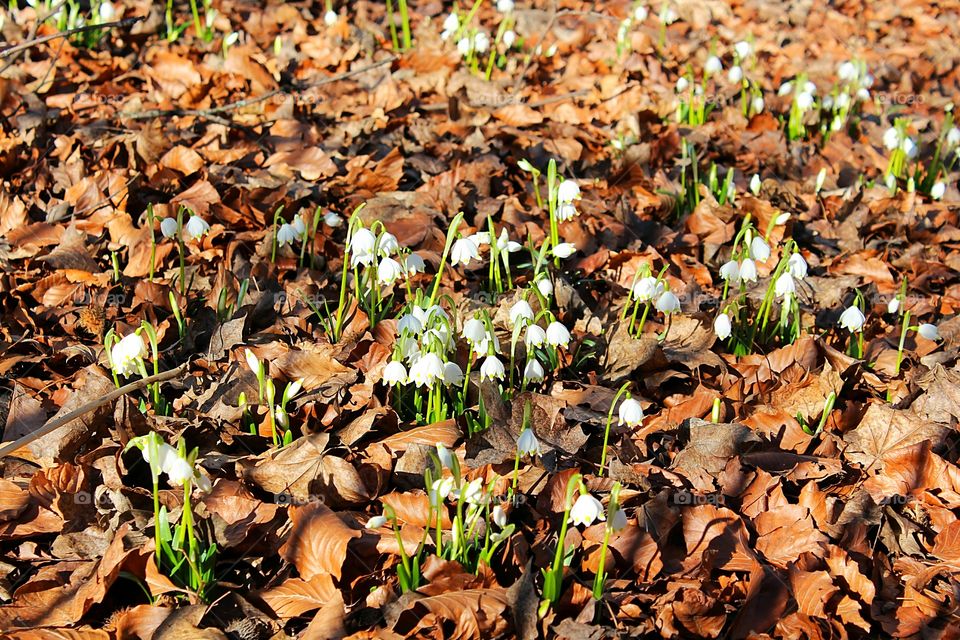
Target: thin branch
<point>56,423</point>
<point>23,46</point>
<point>206,113</point>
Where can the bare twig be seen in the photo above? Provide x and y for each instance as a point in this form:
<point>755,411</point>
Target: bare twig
<point>56,423</point>
<point>23,46</point>
<point>239,104</point>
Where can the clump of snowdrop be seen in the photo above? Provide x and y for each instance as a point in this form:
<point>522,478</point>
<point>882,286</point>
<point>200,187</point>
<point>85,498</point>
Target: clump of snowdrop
<point>852,319</point>
<point>902,148</point>
<point>850,91</point>
<point>127,356</point>
<point>803,102</point>
<point>374,256</point>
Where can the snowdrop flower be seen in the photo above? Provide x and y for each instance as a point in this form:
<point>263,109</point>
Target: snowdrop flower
<point>847,71</point>
<point>893,305</point>
<point>504,6</point>
<point>332,220</point>
<point>286,234</point>
<point>444,455</point>
<point>232,38</point>
<point>474,331</point>
<point>929,331</point>
<point>452,374</point>
<point>797,266</point>
<point>473,493</point>
<point>491,369</point>
<point>785,89</point>
<point>499,516</point>
<point>852,319</point>
<point>387,245</point>
<point>463,46</point>
<point>712,66</point>
<point>361,246</point>
<point>743,49</point>
<point>785,286</point>
<point>426,370</point>
<point>843,101</point>
<point>568,191</point>
<point>937,190</point>
<point>464,250</point>
<point>722,326</point>
<point>682,84</point>
<point>545,287</point>
<point>450,26</point>
<point>557,335</point>
<point>527,444</point>
<point>196,227</point>
<point>640,13</point>
<point>330,18</point>
<point>481,42</point>
<point>735,75</point>
<point>668,303</point>
<point>409,323</point>
<point>253,362</point>
<point>759,250</point>
<point>910,147</point>
<point>508,38</point>
<point>564,250</point>
<point>440,490</point>
<point>566,211</point>
<point>168,227</point>
<point>480,238</point>
<point>504,243</point>
<point>106,11</point>
<point>533,371</point>
<point>748,270</point>
<point>730,271</point>
<point>619,522</point>
<point>520,313</point>
<point>388,271</point>
<point>376,522</point>
<point>177,469</point>
<point>413,264</point>
<point>586,510</point>
<point>758,104</point>
<point>394,373</point>
<point>630,413</point>
<point>891,138</point>
<point>953,137</point>
<point>127,355</point>
<point>535,336</point>
<point>646,289</point>
<point>755,184</point>
<point>668,15</point>
<point>804,101</point>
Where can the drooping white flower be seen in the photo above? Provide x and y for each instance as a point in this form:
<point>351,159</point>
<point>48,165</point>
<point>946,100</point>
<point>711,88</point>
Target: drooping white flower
<point>499,516</point>
<point>785,89</point>
<point>953,137</point>
<point>394,373</point>
<point>388,271</point>
<point>504,6</point>
<point>533,371</point>
<point>106,11</point>
<point>910,147</point>
<point>759,249</point>
<point>646,289</point>
<point>748,270</point>
<point>668,303</point>
<point>177,469</point>
<point>464,46</point>
<point>534,336</point>
<point>481,42</point>
<point>409,323</point>
<point>126,356</point>
<point>937,190</point>
<point>640,13</point>
<point>330,18</point>
<point>168,227</point>
<point>413,264</point>
<point>451,25</point>
<point>852,319</point>
<point>527,444</point>
<point>712,66</point>
<point>332,219</point>
<point>722,326</point>
<point>504,243</point>
<point>557,335</point>
<point>730,271</point>
<point>847,71</point>
<point>520,313</point>
<point>444,455</point>
<point>758,104</point>
<point>564,250</point>
<point>426,370</point>
<point>545,287</point>
<point>452,374</point>
<point>785,287</point>
<point>480,238</point>
<point>492,369</point>
<point>286,234</point>
<point>361,246</point>
<point>586,510</point>
<point>231,39</point>
<point>735,75</point>
<point>630,413</point>
<point>743,49</point>
<point>797,266</point>
<point>463,251</point>
<point>387,244</point>
<point>508,38</point>
<point>568,191</point>
<point>619,520</point>
<point>376,522</point>
<point>929,331</point>
<point>566,211</point>
<point>439,491</point>
<point>893,305</point>
<point>196,227</point>
<point>474,331</point>
<point>891,138</point>
<point>682,84</point>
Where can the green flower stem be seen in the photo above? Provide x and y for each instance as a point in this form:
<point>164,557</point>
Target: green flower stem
<point>606,431</point>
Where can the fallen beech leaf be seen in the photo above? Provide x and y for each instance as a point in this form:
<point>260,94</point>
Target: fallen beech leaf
<point>475,613</point>
<point>319,541</point>
<point>294,597</point>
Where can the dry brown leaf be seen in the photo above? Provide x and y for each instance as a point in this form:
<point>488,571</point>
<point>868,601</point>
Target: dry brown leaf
<point>319,542</point>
